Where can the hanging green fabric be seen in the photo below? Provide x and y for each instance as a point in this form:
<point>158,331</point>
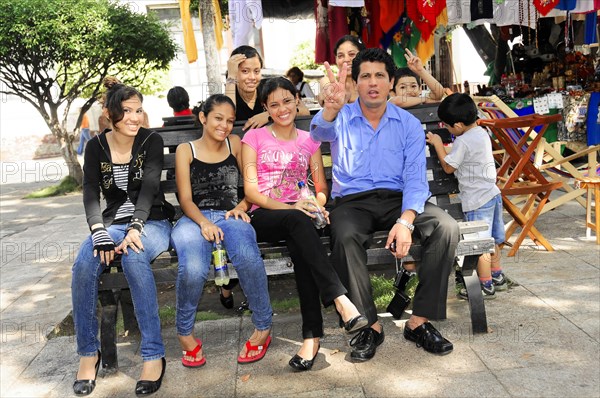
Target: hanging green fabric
<point>408,36</point>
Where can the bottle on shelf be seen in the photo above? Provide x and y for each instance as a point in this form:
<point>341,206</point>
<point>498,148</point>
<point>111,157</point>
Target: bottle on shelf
<point>305,193</point>
<point>219,257</point>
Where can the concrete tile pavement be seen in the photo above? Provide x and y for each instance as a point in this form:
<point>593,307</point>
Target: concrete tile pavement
<point>544,338</point>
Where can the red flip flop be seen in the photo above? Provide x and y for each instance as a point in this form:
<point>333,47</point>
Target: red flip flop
<point>193,353</point>
<point>262,350</point>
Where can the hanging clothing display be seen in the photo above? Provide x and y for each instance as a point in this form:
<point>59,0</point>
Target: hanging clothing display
<point>189,40</point>
<point>347,3</point>
<point>372,32</point>
<point>424,15</point>
<point>389,13</point>
<point>243,16</point>
<point>331,25</point>
<point>545,6</point>
<point>481,9</point>
<point>522,13</point>
<point>459,12</point>
<point>591,23</point>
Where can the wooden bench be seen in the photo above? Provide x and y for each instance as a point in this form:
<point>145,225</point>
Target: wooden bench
<point>113,285</point>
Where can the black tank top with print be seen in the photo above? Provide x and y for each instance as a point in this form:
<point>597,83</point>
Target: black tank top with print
<point>215,185</point>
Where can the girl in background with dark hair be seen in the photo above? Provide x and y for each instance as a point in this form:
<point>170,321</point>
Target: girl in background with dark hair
<point>344,51</point>
<point>207,172</point>
<point>242,86</point>
<point>125,164</point>
<point>275,159</point>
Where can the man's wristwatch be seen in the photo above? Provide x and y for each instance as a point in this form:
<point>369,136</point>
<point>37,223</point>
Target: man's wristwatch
<point>408,225</point>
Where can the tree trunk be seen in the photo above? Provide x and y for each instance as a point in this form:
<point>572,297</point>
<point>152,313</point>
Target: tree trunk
<point>65,140</point>
<point>207,16</point>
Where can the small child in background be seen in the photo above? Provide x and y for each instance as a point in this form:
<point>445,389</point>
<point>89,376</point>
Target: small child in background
<point>407,84</point>
<point>472,161</point>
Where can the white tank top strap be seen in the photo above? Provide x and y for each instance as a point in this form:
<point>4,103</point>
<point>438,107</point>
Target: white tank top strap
<point>193,149</point>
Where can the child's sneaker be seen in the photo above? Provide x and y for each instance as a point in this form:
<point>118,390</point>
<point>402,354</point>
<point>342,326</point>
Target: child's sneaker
<point>500,282</point>
<point>488,292</point>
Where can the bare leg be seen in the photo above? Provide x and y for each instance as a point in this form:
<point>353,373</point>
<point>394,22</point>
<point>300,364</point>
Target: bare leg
<point>258,338</point>
<point>87,368</point>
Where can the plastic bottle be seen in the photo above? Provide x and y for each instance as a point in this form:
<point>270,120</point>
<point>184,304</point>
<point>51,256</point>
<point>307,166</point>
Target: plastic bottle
<point>305,193</point>
<point>219,256</point>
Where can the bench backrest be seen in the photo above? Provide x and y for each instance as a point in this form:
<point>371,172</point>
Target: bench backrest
<point>442,186</point>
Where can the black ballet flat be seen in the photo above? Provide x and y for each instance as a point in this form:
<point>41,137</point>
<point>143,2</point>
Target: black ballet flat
<point>356,324</point>
<point>300,364</point>
<point>147,387</point>
<point>85,387</point>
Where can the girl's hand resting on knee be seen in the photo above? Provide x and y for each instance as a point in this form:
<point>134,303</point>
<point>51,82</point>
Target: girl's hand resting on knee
<point>132,241</point>
<point>237,213</point>
<point>211,232</point>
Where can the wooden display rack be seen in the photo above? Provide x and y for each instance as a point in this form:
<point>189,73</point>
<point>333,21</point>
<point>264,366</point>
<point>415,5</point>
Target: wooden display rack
<point>547,157</point>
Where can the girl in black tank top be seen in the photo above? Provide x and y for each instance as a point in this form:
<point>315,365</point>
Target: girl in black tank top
<point>207,173</point>
<point>214,185</point>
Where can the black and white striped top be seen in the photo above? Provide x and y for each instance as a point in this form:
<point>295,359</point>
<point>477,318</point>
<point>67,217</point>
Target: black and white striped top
<point>121,174</point>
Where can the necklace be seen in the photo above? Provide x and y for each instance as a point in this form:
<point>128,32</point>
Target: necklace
<point>275,135</point>
<point>118,156</point>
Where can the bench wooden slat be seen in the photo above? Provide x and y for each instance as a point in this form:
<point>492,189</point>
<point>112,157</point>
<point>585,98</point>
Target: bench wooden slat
<point>176,137</point>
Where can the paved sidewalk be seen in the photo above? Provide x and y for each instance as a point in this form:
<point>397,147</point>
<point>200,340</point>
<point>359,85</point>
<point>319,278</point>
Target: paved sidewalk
<point>544,338</point>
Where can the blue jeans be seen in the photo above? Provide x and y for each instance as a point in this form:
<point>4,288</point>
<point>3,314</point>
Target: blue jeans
<point>194,253</point>
<point>84,288</point>
<point>491,213</point>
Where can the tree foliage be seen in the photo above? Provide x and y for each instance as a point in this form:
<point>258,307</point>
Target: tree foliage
<point>304,57</point>
<point>54,51</point>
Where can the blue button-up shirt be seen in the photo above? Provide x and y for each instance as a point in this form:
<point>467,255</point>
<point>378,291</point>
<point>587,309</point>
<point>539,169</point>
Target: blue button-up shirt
<point>389,157</point>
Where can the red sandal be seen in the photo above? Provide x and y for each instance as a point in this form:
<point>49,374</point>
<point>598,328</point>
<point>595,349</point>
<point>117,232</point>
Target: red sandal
<point>262,350</point>
<point>193,353</point>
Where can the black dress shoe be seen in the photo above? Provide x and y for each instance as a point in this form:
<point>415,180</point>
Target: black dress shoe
<point>355,324</point>
<point>146,387</point>
<point>85,387</point>
<point>365,343</point>
<point>300,364</point>
<point>226,301</point>
<point>429,338</point>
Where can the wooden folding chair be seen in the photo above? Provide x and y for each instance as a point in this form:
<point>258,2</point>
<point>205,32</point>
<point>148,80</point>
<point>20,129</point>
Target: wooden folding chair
<point>518,176</point>
<point>547,157</point>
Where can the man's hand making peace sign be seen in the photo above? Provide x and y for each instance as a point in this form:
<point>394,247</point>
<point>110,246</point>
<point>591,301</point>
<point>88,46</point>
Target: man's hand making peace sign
<point>335,92</point>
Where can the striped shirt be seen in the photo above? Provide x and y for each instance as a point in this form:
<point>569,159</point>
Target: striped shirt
<point>121,175</point>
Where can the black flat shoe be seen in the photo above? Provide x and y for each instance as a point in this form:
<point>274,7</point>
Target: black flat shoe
<point>365,343</point>
<point>147,387</point>
<point>226,301</point>
<point>85,387</point>
<point>429,338</point>
<point>355,324</point>
<point>300,364</point>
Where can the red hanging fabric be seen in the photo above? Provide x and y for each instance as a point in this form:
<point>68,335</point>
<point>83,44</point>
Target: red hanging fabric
<point>390,12</point>
<point>424,14</point>
<point>331,25</point>
<point>372,31</point>
<point>545,6</point>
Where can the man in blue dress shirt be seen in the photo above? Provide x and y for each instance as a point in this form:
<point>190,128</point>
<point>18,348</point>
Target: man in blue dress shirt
<point>380,182</point>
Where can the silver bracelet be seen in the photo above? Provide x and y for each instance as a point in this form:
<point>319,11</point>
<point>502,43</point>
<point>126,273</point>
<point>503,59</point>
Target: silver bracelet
<point>408,225</point>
